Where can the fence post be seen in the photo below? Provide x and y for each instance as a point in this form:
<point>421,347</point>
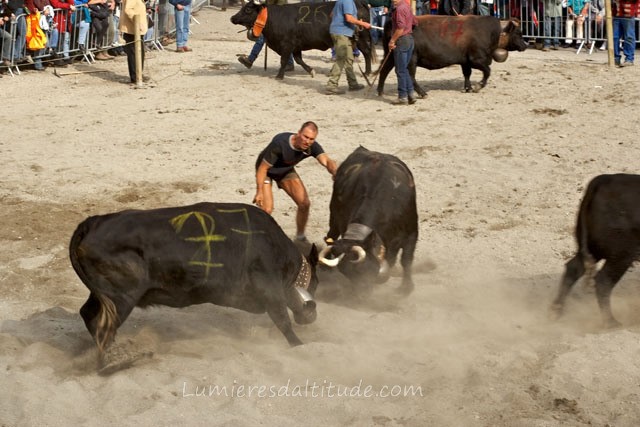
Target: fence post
<point>609,30</point>
<point>137,49</point>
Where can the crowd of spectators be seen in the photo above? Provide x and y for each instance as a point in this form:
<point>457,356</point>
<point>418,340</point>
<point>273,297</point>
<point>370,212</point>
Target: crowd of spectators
<point>39,33</point>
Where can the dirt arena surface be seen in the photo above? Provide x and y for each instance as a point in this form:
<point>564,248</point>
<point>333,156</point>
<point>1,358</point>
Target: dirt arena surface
<point>499,175</point>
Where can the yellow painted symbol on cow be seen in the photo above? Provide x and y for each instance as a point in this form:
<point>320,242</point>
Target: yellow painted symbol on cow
<point>203,256</point>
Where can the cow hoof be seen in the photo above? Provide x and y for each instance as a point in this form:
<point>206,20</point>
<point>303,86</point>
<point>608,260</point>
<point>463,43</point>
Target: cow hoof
<point>278,77</point>
<point>118,358</point>
<point>555,312</point>
<point>312,73</point>
<point>612,323</point>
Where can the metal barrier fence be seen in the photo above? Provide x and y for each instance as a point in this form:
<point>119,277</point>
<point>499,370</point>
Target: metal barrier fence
<point>73,37</point>
<point>589,33</point>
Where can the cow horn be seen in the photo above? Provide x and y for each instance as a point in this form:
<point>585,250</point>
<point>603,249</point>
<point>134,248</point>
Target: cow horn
<point>322,257</point>
<point>360,252</point>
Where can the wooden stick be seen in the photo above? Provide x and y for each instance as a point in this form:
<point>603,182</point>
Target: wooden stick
<point>57,74</point>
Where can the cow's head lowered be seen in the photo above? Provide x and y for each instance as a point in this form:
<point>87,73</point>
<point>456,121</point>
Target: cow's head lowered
<point>359,254</point>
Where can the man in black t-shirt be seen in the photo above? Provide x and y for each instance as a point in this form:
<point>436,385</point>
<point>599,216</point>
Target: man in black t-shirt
<point>277,163</point>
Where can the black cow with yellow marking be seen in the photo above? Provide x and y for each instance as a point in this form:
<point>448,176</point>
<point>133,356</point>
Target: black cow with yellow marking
<point>373,215</point>
<point>227,254</point>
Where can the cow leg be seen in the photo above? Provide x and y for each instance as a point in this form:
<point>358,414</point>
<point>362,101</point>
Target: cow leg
<point>278,313</point>
<point>466,72</point>
<point>486,72</point>
<point>413,65</point>
<point>363,43</point>
<point>284,60</point>
<point>574,270</point>
<point>606,279</point>
<point>406,260</point>
<point>89,313</point>
<point>385,70</point>
<point>297,56</point>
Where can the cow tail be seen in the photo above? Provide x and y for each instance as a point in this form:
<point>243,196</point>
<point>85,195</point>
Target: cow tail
<point>107,323</point>
<point>107,318</point>
<point>582,233</point>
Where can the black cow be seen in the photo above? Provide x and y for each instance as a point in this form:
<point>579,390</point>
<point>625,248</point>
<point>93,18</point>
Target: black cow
<point>608,228</point>
<point>292,28</point>
<point>228,254</point>
<point>373,215</point>
<point>471,41</point>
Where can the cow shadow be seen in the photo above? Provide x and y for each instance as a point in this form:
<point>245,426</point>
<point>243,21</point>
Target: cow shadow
<point>336,289</point>
<point>535,294</point>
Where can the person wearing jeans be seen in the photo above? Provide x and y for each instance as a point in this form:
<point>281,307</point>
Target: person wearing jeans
<point>552,22</point>
<point>248,61</point>
<point>183,18</point>
<point>378,10</point>
<point>402,45</point>
<point>624,12</point>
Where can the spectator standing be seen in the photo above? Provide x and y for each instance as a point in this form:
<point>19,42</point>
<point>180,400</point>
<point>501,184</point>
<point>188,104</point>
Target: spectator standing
<point>131,9</point>
<point>402,44</point>
<point>19,52</point>
<point>624,13</point>
<point>183,18</point>
<point>36,36</point>
<point>64,27</point>
<point>378,10</point>
<point>596,19</point>
<point>343,23</point>
<point>552,21</point>
<point>100,11</point>
<point>576,12</point>
<point>50,28</point>
<point>455,7</point>
<point>5,36</point>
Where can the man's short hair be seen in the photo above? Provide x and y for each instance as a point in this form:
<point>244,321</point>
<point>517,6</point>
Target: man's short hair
<point>311,125</point>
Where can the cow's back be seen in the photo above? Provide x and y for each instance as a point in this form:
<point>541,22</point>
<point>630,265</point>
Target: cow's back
<point>299,25</point>
<point>367,180</point>
<point>207,244</point>
<point>446,40</point>
<point>609,217</point>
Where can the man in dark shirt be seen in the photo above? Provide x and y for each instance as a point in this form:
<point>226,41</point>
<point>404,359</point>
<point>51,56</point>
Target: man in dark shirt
<point>277,163</point>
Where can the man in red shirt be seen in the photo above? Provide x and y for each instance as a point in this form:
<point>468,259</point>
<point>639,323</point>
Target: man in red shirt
<point>624,12</point>
<point>402,45</point>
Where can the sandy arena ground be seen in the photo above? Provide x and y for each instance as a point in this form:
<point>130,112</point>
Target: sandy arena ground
<point>499,174</point>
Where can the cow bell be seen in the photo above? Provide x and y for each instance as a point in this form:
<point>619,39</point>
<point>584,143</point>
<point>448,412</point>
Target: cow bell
<point>500,55</point>
<point>302,304</point>
<point>250,35</point>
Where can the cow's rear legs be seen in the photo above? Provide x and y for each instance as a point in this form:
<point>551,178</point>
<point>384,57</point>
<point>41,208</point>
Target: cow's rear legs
<point>606,279</point>
<point>103,316</point>
<point>297,56</point>
<point>574,270</point>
